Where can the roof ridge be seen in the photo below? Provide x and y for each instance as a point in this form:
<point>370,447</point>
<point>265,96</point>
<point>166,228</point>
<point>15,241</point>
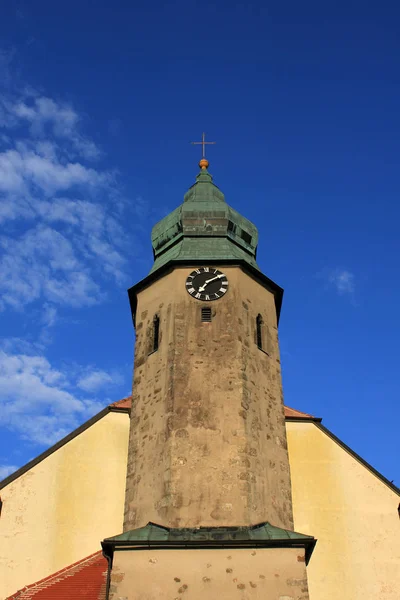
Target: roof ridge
<point>75,567</point>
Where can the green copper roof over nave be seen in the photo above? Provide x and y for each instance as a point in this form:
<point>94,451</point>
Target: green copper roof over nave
<point>204,228</point>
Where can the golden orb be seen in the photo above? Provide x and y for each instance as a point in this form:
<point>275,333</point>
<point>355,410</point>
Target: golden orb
<point>203,164</point>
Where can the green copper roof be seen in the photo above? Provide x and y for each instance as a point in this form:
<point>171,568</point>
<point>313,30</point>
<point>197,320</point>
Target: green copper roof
<point>205,228</point>
<point>264,534</point>
<point>158,533</point>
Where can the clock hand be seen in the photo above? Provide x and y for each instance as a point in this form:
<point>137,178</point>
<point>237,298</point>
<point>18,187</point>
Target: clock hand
<point>203,287</point>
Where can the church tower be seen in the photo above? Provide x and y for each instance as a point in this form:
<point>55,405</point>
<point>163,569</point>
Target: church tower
<point>207,456</point>
<point>207,441</point>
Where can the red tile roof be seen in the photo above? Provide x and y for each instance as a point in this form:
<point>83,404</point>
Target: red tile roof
<point>292,412</point>
<point>84,580</point>
<point>289,412</point>
<point>124,403</point>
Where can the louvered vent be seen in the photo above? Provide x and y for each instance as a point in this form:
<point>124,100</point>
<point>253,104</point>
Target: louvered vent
<point>206,314</point>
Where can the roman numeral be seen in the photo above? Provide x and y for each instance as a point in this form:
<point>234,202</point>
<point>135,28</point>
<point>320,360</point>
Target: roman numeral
<point>207,297</point>
<point>198,296</point>
<point>191,290</point>
<point>223,290</point>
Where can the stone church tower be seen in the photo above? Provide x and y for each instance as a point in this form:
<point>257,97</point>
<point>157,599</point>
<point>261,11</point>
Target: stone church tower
<point>208,469</point>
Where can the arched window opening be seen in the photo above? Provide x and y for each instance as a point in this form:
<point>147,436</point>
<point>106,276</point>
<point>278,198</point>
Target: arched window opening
<point>156,332</point>
<point>259,330</point>
<point>206,314</point>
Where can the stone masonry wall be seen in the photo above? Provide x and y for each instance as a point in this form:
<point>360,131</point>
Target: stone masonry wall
<point>207,438</point>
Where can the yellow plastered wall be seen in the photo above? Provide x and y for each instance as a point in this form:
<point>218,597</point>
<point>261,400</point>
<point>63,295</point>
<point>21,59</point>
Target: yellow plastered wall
<point>209,574</point>
<point>351,512</point>
<point>58,512</point>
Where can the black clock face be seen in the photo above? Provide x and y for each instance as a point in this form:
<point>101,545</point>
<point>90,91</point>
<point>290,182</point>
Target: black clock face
<point>206,283</point>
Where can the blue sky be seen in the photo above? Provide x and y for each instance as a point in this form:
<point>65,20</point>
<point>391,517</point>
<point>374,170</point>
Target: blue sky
<point>98,104</point>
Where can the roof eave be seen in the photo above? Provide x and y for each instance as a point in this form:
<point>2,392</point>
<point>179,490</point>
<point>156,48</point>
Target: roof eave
<point>303,419</point>
<point>109,547</point>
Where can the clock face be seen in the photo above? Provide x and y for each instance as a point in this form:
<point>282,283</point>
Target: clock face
<point>206,283</point>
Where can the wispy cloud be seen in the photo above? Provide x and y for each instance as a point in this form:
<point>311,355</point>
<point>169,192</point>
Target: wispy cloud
<point>342,281</point>
<point>67,234</point>
<point>48,319</point>
<point>63,244</point>
<point>43,403</point>
<point>43,264</point>
<point>49,315</point>
<point>94,380</point>
<point>44,116</point>
<point>25,169</point>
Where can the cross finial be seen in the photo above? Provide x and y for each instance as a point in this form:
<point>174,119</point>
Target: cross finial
<point>203,163</point>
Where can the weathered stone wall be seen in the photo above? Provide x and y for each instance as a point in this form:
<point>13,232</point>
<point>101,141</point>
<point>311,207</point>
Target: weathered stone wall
<point>270,574</point>
<point>207,439</point>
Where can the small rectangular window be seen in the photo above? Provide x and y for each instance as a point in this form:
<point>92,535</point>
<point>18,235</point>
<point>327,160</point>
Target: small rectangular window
<point>206,314</point>
<point>246,237</point>
<point>231,226</point>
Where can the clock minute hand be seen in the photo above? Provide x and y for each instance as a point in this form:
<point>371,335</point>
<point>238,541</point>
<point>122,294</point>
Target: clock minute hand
<point>203,287</point>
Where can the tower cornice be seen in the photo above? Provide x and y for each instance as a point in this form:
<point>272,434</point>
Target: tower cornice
<point>253,272</point>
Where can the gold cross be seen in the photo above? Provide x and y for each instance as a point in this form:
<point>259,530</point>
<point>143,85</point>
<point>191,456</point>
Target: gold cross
<point>203,143</point>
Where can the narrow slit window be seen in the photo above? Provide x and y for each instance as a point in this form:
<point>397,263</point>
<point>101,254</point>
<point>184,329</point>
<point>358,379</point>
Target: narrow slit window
<point>1,505</point>
<point>259,331</point>
<point>206,314</point>
<point>156,332</point>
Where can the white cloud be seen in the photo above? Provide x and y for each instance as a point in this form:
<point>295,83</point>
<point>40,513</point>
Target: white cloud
<point>76,289</point>
<point>24,170</point>
<point>45,116</point>
<point>69,224</point>
<point>49,315</point>
<point>42,403</point>
<point>62,242</point>
<point>43,264</point>
<point>94,381</point>
<point>6,470</point>
<point>48,319</point>
<point>19,345</point>
<point>343,281</point>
